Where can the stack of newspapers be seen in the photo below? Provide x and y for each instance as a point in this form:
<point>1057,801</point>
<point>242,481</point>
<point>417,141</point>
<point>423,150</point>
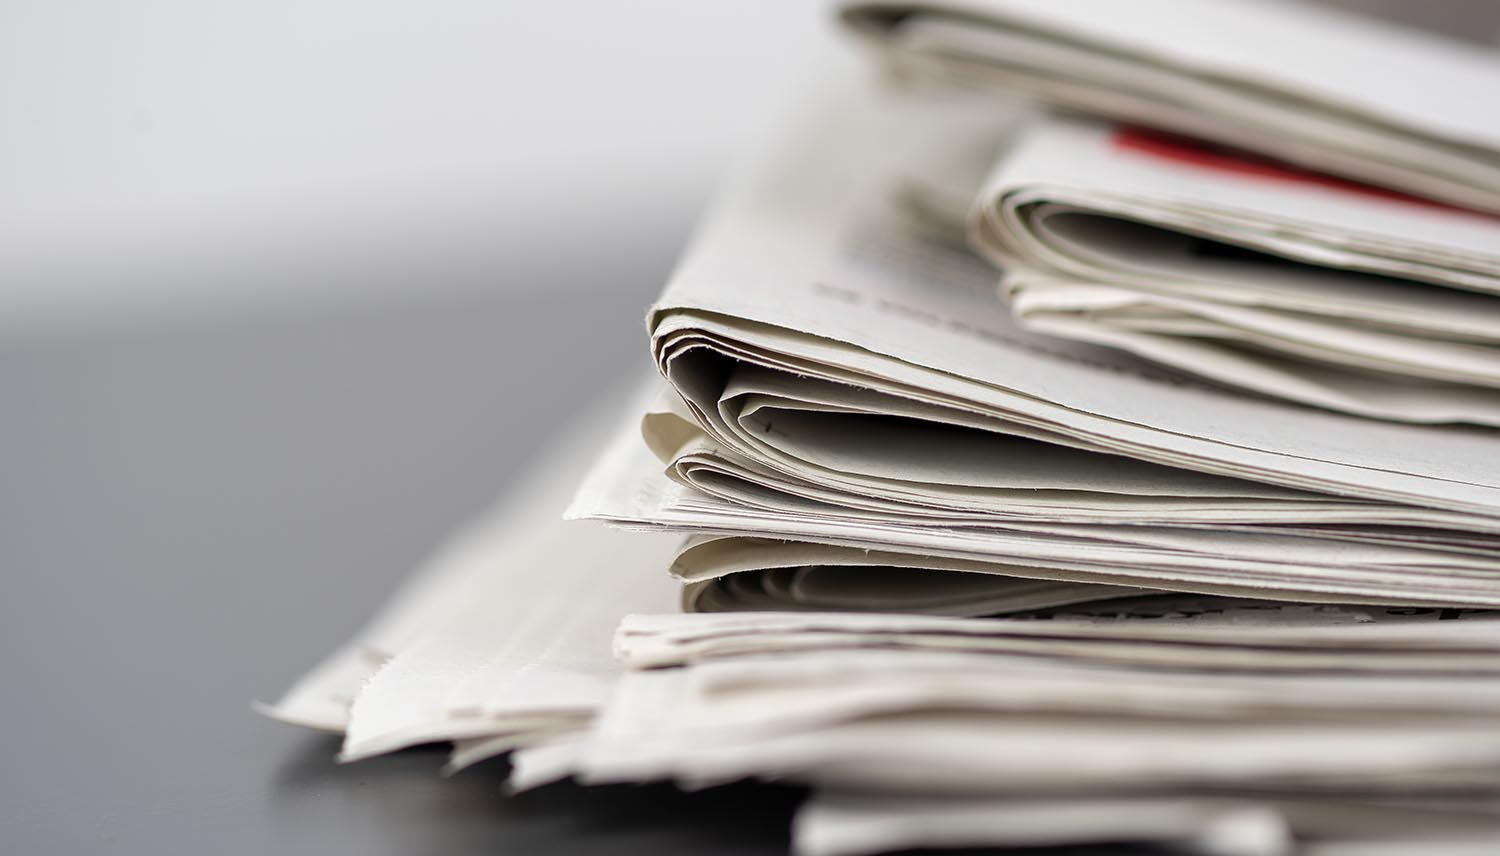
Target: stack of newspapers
<point>1078,424</point>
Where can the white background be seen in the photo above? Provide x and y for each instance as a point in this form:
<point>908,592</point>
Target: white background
<point>181,156</point>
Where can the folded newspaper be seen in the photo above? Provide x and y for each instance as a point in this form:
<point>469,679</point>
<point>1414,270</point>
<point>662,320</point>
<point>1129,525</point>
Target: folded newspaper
<point>1236,267</point>
<point>849,396</point>
<point>502,638</point>
<point>1208,724</point>
<point>1246,273</point>
<point>1313,86</point>
<point>1080,569</point>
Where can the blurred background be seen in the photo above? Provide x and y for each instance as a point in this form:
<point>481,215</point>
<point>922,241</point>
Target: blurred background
<point>167,159</point>
<point>170,158</point>
<point>287,289</point>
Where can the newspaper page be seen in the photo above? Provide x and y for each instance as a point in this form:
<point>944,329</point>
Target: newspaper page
<point>788,278</point>
<point>504,636</point>
<point>854,823</point>
<point>1287,283</point>
<point>1308,85</point>
<point>888,711</point>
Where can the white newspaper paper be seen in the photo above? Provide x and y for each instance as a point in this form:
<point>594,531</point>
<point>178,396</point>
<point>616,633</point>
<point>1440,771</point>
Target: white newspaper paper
<point>889,711</point>
<point>1309,85</point>
<point>856,384</point>
<point>503,637</point>
<point>852,823</point>
<point>780,279</point>
<point>1181,632</point>
<point>1249,274</point>
<point>627,488</point>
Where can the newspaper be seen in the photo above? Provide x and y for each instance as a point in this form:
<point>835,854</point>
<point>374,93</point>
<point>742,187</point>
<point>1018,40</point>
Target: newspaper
<point>1289,284</point>
<point>852,823</point>
<point>627,488</point>
<point>524,657</point>
<point>1089,704</point>
<point>846,378</point>
<point>975,583</point>
<point>809,274</point>
<point>502,638</point>
<point>1179,632</point>
<point>1307,85</point>
<point>941,471</point>
<point>738,574</point>
<point>890,702</point>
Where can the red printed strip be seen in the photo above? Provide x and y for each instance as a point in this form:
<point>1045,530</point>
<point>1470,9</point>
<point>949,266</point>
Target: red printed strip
<point>1188,152</point>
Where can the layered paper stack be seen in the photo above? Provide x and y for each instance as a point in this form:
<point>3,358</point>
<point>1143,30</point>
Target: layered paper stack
<point>1022,477</point>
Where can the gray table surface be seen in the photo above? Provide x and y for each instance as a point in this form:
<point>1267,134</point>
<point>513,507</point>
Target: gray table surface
<point>192,515</point>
